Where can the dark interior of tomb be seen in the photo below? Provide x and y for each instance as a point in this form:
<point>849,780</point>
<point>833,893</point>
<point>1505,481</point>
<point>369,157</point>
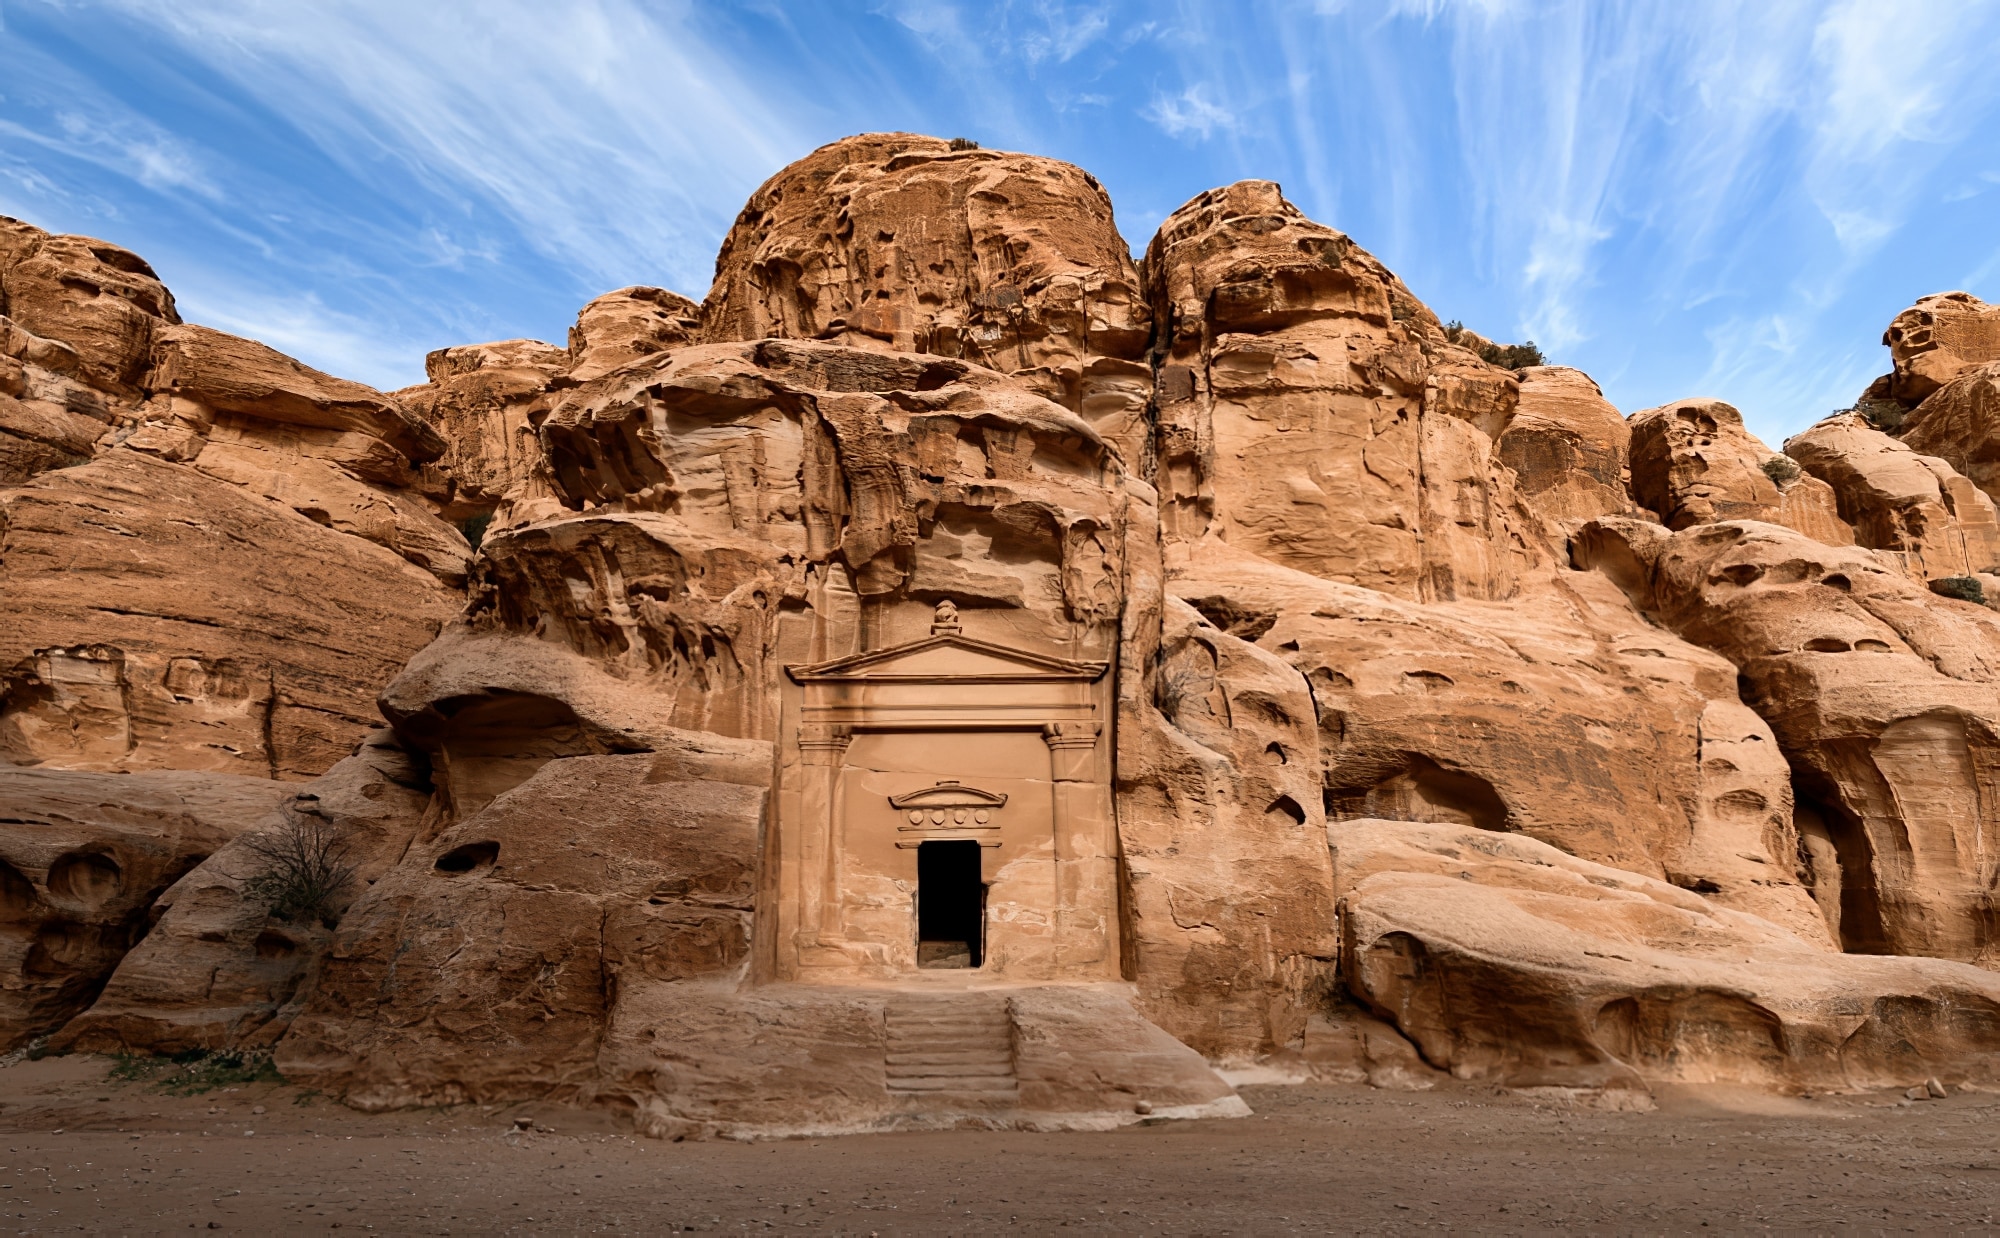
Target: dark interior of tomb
<point>951,905</point>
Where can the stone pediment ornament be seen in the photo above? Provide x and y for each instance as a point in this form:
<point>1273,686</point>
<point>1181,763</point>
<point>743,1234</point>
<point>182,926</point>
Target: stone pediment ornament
<point>947,654</point>
<point>948,805</point>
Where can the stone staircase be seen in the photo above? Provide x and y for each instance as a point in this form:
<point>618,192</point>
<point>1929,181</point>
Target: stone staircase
<point>955,1048</point>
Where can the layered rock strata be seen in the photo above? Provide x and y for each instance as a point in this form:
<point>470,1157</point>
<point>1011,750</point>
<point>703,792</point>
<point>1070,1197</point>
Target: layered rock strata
<point>211,556</point>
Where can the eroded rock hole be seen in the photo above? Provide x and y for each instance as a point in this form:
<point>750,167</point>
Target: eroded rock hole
<point>87,878</point>
<point>1286,806</point>
<point>468,858</point>
<point>272,946</point>
<point>951,905</point>
<point>17,894</point>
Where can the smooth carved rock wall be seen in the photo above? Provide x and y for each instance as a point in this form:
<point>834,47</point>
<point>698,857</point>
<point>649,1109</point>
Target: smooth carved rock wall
<point>152,617</point>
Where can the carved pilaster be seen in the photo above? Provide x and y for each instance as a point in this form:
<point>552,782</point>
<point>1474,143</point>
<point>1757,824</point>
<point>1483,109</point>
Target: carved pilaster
<point>823,750</point>
<point>1085,847</point>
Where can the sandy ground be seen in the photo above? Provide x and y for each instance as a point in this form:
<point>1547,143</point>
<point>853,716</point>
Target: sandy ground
<point>92,1154</point>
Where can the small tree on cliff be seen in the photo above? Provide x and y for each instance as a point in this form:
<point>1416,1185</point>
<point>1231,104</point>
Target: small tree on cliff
<point>305,866</point>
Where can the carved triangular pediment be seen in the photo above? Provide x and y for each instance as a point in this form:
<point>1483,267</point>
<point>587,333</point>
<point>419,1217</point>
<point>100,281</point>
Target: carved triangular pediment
<point>947,657</point>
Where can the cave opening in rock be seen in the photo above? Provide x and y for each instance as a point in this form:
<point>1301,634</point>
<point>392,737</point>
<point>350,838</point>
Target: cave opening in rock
<point>1423,790</point>
<point>951,905</point>
<point>1837,864</point>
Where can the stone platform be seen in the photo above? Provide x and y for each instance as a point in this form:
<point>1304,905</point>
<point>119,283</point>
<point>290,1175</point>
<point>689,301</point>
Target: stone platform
<point>781,1060</point>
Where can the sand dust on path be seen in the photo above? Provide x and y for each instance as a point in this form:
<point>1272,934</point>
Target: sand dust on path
<point>86,1152</point>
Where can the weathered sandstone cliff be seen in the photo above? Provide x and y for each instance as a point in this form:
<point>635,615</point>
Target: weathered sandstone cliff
<point>957,673</point>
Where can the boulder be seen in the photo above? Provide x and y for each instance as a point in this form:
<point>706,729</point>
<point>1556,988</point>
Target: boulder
<point>1939,338</point>
<point>1568,447</point>
<point>628,324</point>
<point>83,856</point>
<point>484,965</point>
<point>101,301</point>
<point>1509,961</point>
<point>1917,507</point>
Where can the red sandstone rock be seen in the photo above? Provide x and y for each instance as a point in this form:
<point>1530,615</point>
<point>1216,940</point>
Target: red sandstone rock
<point>1960,423</point>
<point>1916,507</point>
<point>1173,572</point>
<point>1312,412</point>
<point>628,324</point>
<point>1881,696</point>
<point>1569,448</point>
<point>102,301</point>
<point>83,856</point>
<point>152,617</point>
<point>1939,338</point>
<point>896,242</point>
<point>214,925</point>
<point>1509,961</point>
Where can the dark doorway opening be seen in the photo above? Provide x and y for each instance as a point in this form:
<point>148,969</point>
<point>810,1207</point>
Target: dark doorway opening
<point>951,905</point>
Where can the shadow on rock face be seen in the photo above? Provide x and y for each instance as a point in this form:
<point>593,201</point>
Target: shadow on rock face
<point>83,856</point>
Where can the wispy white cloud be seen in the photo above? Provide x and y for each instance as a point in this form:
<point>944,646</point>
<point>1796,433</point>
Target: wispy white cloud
<point>1699,197</point>
<point>610,131</point>
<point>1189,112</point>
<point>118,142</point>
<point>1062,32</point>
<point>1893,83</point>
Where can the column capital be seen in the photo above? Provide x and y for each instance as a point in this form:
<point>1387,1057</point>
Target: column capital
<point>1071,734</point>
<point>825,735</point>
<point>823,743</point>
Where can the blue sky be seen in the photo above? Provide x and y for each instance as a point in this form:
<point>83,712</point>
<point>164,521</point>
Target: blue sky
<point>1683,198</point>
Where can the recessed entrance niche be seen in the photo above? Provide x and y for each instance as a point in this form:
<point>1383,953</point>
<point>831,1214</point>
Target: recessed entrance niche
<point>951,904</point>
<point>943,805</point>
